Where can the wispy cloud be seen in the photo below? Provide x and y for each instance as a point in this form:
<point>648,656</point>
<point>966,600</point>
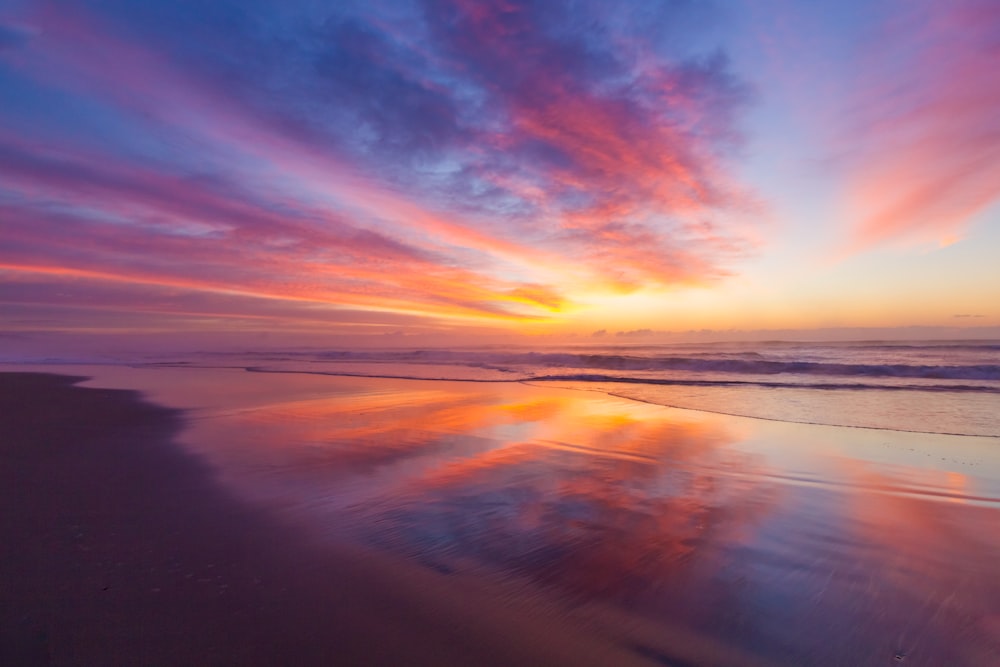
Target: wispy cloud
<point>439,158</point>
<point>926,137</point>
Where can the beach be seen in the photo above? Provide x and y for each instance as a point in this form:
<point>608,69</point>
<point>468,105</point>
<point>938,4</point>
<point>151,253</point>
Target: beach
<point>499,333</point>
<point>164,516</point>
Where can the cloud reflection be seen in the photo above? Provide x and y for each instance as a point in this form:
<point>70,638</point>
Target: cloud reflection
<point>604,500</point>
<point>778,539</point>
<point>595,497</point>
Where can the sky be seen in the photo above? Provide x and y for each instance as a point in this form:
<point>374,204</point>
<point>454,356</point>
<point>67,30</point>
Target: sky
<point>450,170</point>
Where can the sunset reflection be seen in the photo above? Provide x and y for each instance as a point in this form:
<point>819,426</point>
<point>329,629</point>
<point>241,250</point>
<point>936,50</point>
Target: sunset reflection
<point>594,496</point>
<point>688,520</point>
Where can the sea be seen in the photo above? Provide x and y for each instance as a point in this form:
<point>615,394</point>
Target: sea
<point>947,387</point>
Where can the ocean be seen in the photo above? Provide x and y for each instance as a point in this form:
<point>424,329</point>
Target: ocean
<point>948,387</point>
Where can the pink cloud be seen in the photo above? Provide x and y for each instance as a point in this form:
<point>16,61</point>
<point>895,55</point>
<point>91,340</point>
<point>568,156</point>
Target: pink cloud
<point>928,126</point>
<point>613,186</point>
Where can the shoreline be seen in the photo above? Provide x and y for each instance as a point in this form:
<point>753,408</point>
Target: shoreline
<point>542,382</point>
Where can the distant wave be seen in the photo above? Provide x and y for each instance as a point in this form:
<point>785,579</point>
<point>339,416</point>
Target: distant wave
<point>765,367</point>
<point>621,379</point>
<point>738,363</point>
<point>943,345</point>
<point>591,377</point>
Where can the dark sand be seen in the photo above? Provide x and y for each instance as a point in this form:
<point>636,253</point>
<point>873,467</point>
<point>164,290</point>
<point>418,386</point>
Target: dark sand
<point>121,549</point>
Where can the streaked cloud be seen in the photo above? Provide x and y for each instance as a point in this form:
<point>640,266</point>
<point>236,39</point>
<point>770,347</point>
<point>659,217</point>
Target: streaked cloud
<point>437,159</point>
<point>925,143</point>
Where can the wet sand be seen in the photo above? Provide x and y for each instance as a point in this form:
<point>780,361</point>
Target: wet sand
<point>305,520</point>
<point>120,548</point>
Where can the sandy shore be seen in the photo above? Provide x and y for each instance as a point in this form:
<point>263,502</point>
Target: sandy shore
<point>271,519</point>
<point>121,549</point>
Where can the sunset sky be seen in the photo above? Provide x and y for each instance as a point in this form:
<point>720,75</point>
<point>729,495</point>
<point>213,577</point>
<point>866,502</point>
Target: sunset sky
<point>455,170</point>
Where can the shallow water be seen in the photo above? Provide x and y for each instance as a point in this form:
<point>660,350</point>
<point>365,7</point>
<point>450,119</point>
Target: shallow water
<point>950,387</point>
<point>790,543</point>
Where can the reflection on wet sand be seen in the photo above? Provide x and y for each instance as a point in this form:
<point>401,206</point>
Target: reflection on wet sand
<point>661,514</point>
<point>616,508</point>
<point>670,518</point>
<point>934,566</point>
